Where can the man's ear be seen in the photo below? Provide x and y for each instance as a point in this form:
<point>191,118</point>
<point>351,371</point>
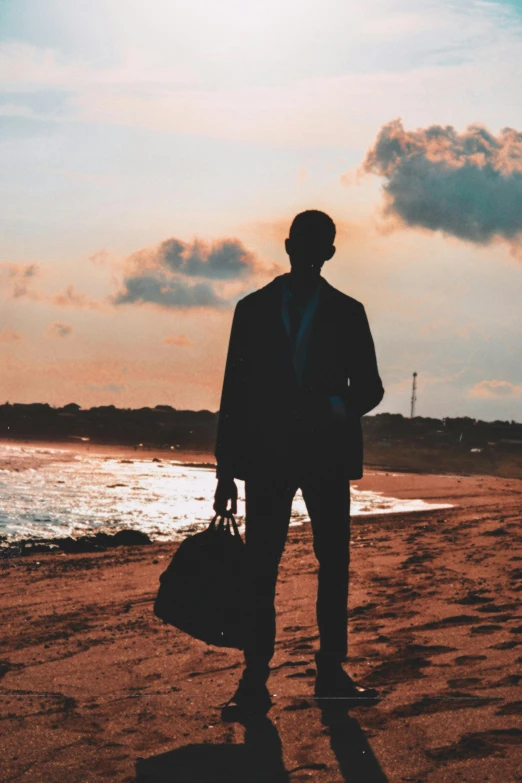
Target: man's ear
<point>331,253</point>
<point>287,246</point>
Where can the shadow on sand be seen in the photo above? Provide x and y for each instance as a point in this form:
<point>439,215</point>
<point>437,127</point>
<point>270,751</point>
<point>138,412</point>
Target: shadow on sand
<point>260,758</point>
<point>356,759</point>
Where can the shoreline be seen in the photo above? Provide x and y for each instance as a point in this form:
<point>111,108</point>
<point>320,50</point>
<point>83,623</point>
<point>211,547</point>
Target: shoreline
<point>430,488</point>
<point>207,457</point>
<point>113,450</point>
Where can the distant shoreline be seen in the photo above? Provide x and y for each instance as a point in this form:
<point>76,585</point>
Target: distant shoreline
<point>460,445</point>
<point>397,457</point>
<point>116,450</point>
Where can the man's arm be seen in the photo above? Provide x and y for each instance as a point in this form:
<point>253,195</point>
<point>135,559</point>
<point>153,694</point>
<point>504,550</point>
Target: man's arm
<point>232,410</point>
<point>366,389</point>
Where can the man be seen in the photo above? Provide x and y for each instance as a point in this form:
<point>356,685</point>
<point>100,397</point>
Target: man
<point>300,372</point>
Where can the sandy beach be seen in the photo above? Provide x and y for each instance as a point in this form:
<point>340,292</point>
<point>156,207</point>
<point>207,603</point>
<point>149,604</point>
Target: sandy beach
<point>94,687</point>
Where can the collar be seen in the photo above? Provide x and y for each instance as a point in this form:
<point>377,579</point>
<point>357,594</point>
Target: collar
<point>287,292</point>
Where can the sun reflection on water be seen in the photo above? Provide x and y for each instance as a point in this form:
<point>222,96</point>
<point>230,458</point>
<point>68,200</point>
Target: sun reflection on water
<point>48,492</point>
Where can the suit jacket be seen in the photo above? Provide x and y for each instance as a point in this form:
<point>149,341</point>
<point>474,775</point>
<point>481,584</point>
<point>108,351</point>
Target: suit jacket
<point>264,411</point>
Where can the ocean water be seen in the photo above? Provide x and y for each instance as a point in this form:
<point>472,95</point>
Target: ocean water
<point>52,492</point>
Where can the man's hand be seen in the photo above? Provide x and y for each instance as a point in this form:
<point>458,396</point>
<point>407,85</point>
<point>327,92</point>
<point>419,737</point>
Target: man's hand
<point>226,490</point>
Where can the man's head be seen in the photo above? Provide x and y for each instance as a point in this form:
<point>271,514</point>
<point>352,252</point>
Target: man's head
<point>310,242</point>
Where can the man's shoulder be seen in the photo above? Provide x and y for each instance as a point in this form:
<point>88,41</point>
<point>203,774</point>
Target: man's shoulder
<point>261,295</point>
<point>340,299</point>
<point>266,294</point>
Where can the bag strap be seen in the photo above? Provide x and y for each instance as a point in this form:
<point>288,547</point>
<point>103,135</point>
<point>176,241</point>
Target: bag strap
<point>234,524</point>
<point>226,521</point>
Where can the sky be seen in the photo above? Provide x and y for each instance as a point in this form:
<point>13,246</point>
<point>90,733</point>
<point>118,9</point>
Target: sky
<point>154,154</point>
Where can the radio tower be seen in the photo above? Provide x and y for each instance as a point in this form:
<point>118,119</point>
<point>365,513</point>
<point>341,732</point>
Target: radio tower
<point>413,395</point>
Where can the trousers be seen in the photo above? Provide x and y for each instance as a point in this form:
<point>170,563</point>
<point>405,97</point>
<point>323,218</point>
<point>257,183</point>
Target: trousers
<point>268,508</point>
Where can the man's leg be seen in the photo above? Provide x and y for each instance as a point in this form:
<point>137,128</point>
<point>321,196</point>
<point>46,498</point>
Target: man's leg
<point>327,498</point>
<point>268,508</point>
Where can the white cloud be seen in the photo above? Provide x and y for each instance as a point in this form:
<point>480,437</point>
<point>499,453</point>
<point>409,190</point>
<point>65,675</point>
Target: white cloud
<point>306,74</point>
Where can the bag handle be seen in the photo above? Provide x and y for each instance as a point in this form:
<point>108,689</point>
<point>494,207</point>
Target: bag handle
<point>227,519</point>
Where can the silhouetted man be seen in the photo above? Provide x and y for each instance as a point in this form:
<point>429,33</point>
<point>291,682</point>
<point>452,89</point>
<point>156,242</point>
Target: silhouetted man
<point>300,372</point>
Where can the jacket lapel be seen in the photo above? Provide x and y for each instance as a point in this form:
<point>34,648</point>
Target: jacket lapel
<point>319,333</point>
<point>278,336</point>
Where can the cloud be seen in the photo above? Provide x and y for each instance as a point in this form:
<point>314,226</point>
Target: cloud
<point>100,258</point>
<point>72,298</point>
<point>16,110</point>
<point>177,339</point>
<point>10,336</point>
<point>19,271</point>
<point>226,259</point>
<point>160,290</point>
<point>173,274</point>
<point>60,329</point>
<point>495,390</point>
<point>185,275</point>
<point>17,278</point>
<point>106,387</point>
<point>467,185</point>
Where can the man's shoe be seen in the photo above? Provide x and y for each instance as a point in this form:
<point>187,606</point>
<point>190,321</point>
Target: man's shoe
<point>251,698</point>
<point>332,682</point>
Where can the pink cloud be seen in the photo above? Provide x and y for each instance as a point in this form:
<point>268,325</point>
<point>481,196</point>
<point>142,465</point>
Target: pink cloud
<point>197,274</point>
<point>17,278</point>
<point>72,298</point>
<point>10,336</point>
<point>60,329</point>
<point>177,339</point>
<point>465,184</point>
<point>495,389</point>
<point>100,258</point>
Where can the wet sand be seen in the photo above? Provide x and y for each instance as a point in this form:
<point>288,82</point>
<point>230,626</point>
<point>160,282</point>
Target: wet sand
<point>95,688</point>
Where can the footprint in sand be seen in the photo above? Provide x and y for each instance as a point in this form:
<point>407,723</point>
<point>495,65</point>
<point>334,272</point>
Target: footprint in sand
<point>430,705</point>
<point>474,598</point>
<point>498,531</point>
<point>464,660</point>
<point>497,608</point>
<point>358,610</point>
<point>449,622</point>
<point>301,705</point>
<point>478,744</point>
<point>463,682</point>
<point>297,676</point>
<point>505,645</point>
<point>509,679</point>
<point>511,708</point>
<point>399,670</point>
<point>428,649</point>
